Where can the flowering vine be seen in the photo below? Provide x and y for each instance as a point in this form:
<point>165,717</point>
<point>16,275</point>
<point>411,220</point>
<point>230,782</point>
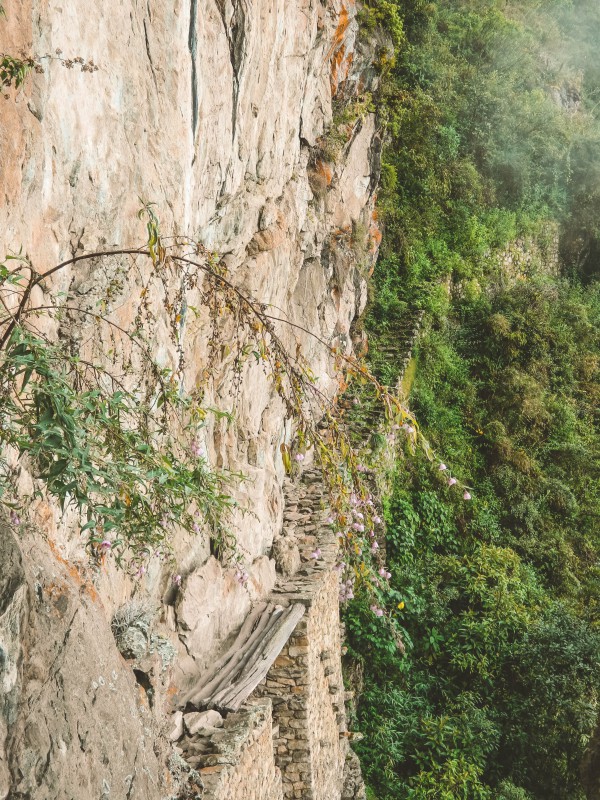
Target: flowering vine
<point>132,502</point>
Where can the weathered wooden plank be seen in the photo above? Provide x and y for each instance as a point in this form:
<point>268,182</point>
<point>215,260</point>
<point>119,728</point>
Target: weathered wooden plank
<point>223,676</point>
<point>240,660</point>
<point>210,680</point>
<point>256,667</point>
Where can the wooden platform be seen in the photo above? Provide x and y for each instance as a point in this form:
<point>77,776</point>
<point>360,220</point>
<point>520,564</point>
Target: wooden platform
<point>227,684</point>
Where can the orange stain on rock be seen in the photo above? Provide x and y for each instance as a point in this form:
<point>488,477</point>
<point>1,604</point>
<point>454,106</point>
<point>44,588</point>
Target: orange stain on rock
<point>342,27</point>
<point>84,586</point>
<point>375,235</point>
<point>324,171</point>
<point>341,60</point>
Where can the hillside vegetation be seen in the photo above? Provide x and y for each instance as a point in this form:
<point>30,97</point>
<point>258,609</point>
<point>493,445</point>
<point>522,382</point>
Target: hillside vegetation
<point>490,204</point>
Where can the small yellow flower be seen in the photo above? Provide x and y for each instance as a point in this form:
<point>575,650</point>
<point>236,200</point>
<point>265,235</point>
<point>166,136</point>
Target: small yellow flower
<point>401,605</point>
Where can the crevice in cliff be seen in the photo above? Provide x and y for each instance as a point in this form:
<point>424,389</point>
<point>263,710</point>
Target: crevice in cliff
<point>235,31</point>
<point>193,46</point>
<point>143,680</point>
<point>133,775</point>
<point>147,41</point>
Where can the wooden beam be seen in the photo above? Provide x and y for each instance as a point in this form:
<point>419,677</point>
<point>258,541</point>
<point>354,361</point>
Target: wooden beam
<point>246,663</point>
<point>261,660</point>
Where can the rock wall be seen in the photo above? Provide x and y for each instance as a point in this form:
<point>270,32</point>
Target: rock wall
<point>73,720</point>
<point>213,113</point>
<point>305,683</point>
<point>217,112</point>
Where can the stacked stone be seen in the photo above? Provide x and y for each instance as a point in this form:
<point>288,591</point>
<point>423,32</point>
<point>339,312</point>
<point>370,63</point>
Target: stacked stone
<point>290,742</point>
<point>354,786</point>
<point>305,683</point>
<point>287,686</point>
<point>234,761</point>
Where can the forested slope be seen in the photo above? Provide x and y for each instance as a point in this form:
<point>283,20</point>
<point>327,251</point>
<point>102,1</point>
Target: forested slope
<point>490,206</point>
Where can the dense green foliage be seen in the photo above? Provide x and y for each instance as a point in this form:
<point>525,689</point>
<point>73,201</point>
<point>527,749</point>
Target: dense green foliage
<point>493,140</point>
<point>502,667</point>
<point>482,150</point>
<point>105,451</point>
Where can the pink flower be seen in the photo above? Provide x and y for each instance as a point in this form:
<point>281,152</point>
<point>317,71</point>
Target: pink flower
<point>377,520</point>
<point>299,457</point>
<point>466,496</point>
<point>358,527</point>
<point>374,547</point>
<point>197,449</point>
<point>316,554</point>
<point>241,576</point>
<point>177,580</point>
<point>382,572</point>
<point>358,515</point>
<point>377,611</point>
<point>105,545</point>
<point>361,468</point>
<point>141,572</point>
<point>451,481</point>
<point>442,468</point>
<point>15,518</point>
<point>356,401</point>
<point>388,575</point>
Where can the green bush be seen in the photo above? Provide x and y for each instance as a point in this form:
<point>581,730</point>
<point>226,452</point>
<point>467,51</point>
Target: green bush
<point>496,598</point>
<point>105,451</point>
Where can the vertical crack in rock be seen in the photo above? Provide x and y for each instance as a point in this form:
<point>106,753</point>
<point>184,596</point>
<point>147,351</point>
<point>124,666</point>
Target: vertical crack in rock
<point>235,31</point>
<point>236,36</point>
<point>148,53</point>
<point>192,46</point>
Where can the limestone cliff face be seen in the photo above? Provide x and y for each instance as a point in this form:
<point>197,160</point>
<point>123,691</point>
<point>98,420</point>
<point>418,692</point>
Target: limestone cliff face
<point>215,111</point>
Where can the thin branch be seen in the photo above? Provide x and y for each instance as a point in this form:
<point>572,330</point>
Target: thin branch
<point>36,278</point>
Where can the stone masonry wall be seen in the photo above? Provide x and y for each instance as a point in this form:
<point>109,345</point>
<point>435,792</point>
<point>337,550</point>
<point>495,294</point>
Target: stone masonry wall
<point>245,768</point>
<point>290,740</point>
<point>306,687</point>
<point>305,683</point>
